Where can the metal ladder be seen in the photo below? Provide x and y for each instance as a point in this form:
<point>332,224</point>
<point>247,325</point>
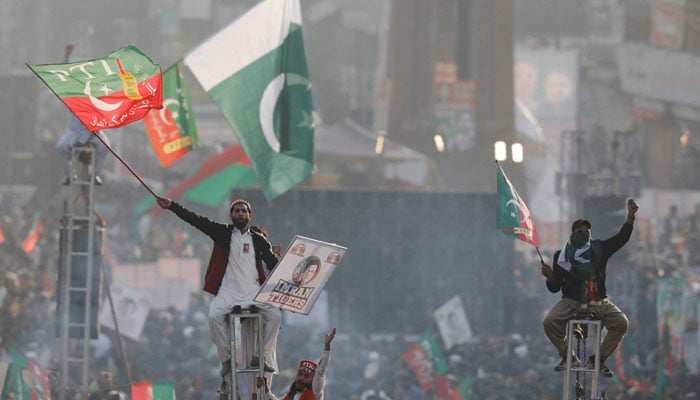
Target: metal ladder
<point>243,321</point>
<point>79,279</point>
<point>580,327</point>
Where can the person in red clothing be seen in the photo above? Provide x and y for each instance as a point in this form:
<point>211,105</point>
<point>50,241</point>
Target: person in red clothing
<point>310,382</point>
<point>579,272</point>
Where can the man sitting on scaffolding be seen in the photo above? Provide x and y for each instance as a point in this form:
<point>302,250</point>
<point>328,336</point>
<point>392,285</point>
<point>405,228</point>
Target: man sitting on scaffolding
<point>579,272</point>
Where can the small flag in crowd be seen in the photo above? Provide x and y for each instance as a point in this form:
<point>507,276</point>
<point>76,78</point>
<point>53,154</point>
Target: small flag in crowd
<point>108,92</point>
<point>513,217</point>
<point>2,235</point>
<point>153,391</point>
<point>30,381</point>
<point>426,359</point>
<point>255,71</point>
<point>34,233</point>
<point>171,130</point>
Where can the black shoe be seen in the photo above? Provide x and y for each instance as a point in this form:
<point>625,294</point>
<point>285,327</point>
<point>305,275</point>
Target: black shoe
<point>225,368</point>
<point>254,363</point>
<point>98,180</point>
<point>66,182</point>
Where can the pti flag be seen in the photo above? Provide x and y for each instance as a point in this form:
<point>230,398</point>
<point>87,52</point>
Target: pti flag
<point>513,217</point>
<point>171,129</point>
<point>426,360</point>
<point>109,92</point>
<point>255,71</point>
<point>153,391</point>
<point>30,381</point>
<point>34,232</point>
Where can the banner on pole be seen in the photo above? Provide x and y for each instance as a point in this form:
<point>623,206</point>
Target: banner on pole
<point>297,281</point>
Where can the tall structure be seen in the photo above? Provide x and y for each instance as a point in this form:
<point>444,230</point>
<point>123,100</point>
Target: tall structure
<point>657,67</point>
<point>449,72</point>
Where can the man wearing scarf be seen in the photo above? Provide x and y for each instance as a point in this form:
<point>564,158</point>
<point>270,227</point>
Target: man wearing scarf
<point>579,272</point>
<point>310,382</point>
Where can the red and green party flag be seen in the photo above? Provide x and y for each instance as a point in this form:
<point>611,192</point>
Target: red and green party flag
<point>34,233</point>
<point>426,360</point>
<point>109,92</point>
<point>627,365</point>
<point>153,391</point>
<point>255,71</point>
<point>212,182</point>
<point>171,130</point>
<point>29,380</point>
<point>513,216</point>
<point>664,367</point>
<point>444,391</point>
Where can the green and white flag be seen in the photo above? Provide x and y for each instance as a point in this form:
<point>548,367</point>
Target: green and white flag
<point>255,71</point>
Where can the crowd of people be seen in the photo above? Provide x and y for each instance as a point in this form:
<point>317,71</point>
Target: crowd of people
<point>175,345</point>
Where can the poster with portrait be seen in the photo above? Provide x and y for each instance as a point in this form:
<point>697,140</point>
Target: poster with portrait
<point>298,280</point>
<point>131,306</point>
<point>452,323</point>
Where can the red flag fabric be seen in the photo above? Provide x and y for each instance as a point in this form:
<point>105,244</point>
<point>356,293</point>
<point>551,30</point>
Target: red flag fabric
<point>171,130</point>
<point>108,92</point>
<point>34,233</point>
<point>153,391</point>
<point>443,390</point>
<point>2,236</point>
<point>142,391</point>
<point>419,361</point>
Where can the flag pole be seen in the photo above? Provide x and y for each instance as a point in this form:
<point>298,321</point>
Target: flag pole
<point>124,163</point>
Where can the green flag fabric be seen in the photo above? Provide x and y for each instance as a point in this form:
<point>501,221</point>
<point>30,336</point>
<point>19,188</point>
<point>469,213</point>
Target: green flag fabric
<point>513,217</point>
<point>109,92</point>
<point>29,380</point>
<point>427,342</point>
<point>255,71</point>
<point>171,130</point>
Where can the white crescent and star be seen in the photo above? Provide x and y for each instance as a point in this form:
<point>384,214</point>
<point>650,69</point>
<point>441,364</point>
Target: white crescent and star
<point>102,105</point>
<point>270,95</point>
<point>166,103</point>
<point>516,204</point>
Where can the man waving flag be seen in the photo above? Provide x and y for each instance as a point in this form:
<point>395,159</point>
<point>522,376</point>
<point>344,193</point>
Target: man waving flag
<point>255,71</point>
<point>108,92</point>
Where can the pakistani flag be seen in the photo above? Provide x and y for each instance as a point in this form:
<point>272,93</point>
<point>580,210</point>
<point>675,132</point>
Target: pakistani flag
<point>109,92</point>
<point>171,130</point>
<point>255,71</point>
<point>514,217</point>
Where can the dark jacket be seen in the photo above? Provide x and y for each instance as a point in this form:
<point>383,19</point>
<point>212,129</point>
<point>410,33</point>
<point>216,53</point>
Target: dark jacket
<point>571,287</point>
<point>221,235</point>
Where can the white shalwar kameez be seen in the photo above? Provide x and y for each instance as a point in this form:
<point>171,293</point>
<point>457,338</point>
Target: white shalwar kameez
<point>239,287</point>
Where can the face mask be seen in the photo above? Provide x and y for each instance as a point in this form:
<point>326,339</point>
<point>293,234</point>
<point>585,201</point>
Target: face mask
<point>579,239</point>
